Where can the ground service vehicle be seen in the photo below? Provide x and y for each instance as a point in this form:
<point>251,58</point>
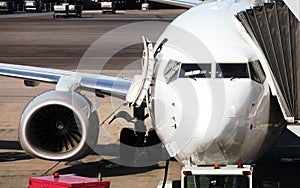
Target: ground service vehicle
<point>214,176</point>
<point>6,6</point>
<point>108,7</point>
<point>217,176</point>
<point>67,10</point>
<point>75,11</point>
<point>145,6</point>
<point>33,6</point>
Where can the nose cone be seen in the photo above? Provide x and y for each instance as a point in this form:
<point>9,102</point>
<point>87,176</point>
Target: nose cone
<point>184,114</point>
<point>192,116</point>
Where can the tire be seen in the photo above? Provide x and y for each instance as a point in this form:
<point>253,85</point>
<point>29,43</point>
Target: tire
<point>127,149</point>
<point>152,138</point>
<point>154,146</point>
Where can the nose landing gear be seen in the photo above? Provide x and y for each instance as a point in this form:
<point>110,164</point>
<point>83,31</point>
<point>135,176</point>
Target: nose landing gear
<point>138,146</point>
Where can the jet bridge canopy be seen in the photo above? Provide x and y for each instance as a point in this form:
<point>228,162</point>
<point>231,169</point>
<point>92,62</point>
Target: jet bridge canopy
<point>277,32</point>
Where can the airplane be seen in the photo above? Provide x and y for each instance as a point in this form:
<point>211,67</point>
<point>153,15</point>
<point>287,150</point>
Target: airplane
<point>211,94</point>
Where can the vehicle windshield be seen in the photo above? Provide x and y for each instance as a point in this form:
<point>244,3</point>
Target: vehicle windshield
<point>216,181</point>
<point>195,70</point>
<point>232,70</point>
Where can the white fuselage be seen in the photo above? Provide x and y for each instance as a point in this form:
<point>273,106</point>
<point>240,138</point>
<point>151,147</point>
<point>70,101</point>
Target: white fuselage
<point>207,115</point>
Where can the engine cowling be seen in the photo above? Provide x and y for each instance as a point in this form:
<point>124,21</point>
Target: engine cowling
<point>59,125</point>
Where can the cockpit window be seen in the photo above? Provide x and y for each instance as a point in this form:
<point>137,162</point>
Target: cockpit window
<point>195,70</point>
<point>257,73</point>
<point>171,70</point>
<point>232,70</point>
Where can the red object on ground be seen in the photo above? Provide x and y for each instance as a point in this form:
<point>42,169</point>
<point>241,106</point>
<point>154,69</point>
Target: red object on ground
<point>66,181</point>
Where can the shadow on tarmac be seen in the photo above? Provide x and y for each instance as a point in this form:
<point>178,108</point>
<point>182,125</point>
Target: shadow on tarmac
<point>280,167</point>
<point>12,145</point>
<point>91,169</point>
<point>13,156</point>
<point>281,175</point>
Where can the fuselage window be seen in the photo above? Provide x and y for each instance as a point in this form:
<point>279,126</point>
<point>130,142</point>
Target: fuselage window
<point>195,71</point>
<point>232,70</point>
<point>256,71</point>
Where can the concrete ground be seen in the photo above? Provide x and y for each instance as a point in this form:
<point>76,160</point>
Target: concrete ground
<point>106,44</point>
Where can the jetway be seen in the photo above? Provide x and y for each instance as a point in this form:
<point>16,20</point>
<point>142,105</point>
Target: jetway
<point>275,29</point>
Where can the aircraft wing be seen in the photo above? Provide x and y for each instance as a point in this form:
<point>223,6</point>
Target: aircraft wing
<point>180,3</point>
<point>68,80</point>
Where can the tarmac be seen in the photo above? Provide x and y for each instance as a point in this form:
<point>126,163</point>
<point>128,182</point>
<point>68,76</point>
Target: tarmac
<point>105,44</point>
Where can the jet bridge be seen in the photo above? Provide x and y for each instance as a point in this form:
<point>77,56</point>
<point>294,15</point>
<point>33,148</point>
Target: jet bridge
<point>275,29</point>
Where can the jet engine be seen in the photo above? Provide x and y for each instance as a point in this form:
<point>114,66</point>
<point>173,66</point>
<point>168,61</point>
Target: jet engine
<point>59,125</point>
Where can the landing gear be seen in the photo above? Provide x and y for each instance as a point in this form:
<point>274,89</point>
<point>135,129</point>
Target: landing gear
<point>140,147</point>
<point>136,149</point>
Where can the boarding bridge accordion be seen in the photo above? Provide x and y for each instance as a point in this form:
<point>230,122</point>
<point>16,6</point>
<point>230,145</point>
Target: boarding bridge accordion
<point>276,30</point>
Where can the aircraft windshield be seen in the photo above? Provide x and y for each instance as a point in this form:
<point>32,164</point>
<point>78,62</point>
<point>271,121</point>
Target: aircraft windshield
<point>171,70</point>
<point>256,71</point>
<point>195,70</point>
<point>232,70</point>
<point>216,181</point>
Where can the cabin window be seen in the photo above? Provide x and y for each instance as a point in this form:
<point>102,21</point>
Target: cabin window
<point>232,70</point>
<point>195,71</point>
<point>256,71</point>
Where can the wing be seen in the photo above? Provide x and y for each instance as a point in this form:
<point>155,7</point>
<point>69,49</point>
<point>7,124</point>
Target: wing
<point>180,3</point>
<point>68,80</point>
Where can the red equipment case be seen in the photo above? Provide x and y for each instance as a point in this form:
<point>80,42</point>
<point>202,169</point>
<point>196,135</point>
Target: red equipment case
<point>66,181</point>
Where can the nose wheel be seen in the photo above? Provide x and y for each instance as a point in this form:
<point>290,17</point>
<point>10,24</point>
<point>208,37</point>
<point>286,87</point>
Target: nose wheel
<point>127,148</point>
<point>138,144</point>
<point>133,152</point>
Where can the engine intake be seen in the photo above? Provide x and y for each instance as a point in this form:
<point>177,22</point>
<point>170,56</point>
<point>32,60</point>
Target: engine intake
<point>59,125</point>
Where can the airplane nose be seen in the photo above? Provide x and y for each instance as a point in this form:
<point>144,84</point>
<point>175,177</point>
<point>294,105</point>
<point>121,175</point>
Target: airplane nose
<point>193,115</point>
<point>184,114</point>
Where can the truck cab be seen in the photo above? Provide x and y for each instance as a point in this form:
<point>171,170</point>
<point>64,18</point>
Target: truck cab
<point>214,176</point>
<point>217,176</point>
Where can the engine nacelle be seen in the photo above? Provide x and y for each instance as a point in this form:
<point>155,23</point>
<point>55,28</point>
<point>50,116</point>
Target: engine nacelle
<point>59,125</point>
